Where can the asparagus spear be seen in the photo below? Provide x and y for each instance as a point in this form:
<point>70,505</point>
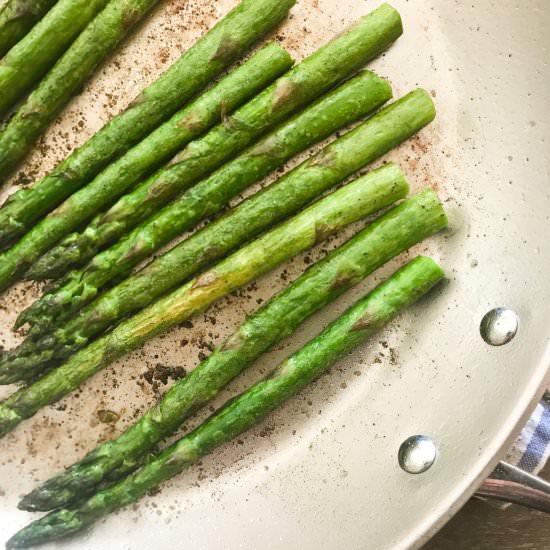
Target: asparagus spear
<point>358,323</point>
<point>373,138</point>
<point>260,256</point>
<point>299,86</point>
<point>333,164</point>
<point>65,79</point>
<point>280,200</point>
<point>305,82</point>
<point>261,211</point>
<point>193,120</point>
<point>219,47</point>
<point>17,17</point>
<point>33,56</point>
<point>278,318</point>
<point>354,99</point>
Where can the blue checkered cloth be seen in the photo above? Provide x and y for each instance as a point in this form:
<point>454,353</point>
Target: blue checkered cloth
<point>532,448</point>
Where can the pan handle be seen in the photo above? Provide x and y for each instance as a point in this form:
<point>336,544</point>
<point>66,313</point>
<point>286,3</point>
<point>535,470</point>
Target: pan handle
<point>512,484</point>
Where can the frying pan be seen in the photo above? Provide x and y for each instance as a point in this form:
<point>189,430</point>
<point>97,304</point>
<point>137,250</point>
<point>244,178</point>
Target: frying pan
<point>323,472</point>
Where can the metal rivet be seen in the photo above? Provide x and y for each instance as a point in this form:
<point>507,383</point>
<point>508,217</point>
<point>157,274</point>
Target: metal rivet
<point>499,326</point>
<point>417,454</point>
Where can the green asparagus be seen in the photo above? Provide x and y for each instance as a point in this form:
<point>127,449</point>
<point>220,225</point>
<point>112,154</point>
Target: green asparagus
<point>17,18</point>
<point>318,286</point>
<point>281,199</point>
<point>298,87</point>
<point>217,49</point>
<point>189,123</point>
<point>354,99</point>
<point>33,56</point>
<point>257,258</point>
<point>313,124</point>
<point>248,409</point>
<point>333,164</point>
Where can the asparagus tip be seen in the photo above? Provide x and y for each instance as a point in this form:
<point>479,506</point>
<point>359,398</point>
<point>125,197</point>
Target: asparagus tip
<point>22,539</point>
<point>39,500</point>
<point>28,536</point>
<point>21,320</point>
<point>8,420</point>
<point>27,503</point>
<point>55,525</point>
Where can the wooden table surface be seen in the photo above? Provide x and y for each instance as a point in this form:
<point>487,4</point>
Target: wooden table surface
<point>482,526</point>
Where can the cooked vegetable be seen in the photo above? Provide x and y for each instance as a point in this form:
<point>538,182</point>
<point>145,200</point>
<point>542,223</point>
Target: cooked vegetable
<point>351,101</point>
<point>161,144</point>
<point>17,17</point>
<point>176,266</point>
<point>217,49</point>
<point>298,87</point>
<point>278,318</point>
<point>330,166</point>
<point>248,409</point>
<point>351,152</point>
<point>33,56</point>
<point>257,258</point>
<point>302,84</point>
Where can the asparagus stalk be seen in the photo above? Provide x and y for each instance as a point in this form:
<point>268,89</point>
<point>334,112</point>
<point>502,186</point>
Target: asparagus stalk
<point>301,85</point>
<point>189,123</point>
<point>294,236</point>
<point>217,49</point>
<point>358,323</point>
<point>374,138</point>
<point>318,286</point>
<point>33,56</point>
<point>65,79</point>
<point>283,198</point>
<point>286,197</point>
<point>352,100</point>
<point>17,17</point>
<point>331,165</point>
